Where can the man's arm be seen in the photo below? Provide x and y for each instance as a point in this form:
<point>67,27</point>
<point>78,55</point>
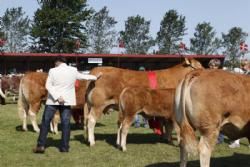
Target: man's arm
<point>87,76</point>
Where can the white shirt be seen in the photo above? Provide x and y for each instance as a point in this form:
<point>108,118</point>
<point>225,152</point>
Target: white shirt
<point>238,70</point>
<point>61,82</point>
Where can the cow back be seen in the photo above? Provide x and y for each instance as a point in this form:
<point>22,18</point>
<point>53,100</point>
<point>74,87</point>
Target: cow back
<point>113,79</point>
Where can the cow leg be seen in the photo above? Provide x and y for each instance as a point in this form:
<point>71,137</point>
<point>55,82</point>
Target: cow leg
<point>85,116</point>
<point>33,121</point>
<point>22,108</point>
<point>118,139</point>
<point>91,126</point>
<point>168,131</point>
<point>51,127</point>
<point>119,125</point>
<point>24,117</point>
<point>33,109</point>
<point>177,130</point>
<point>183,155</point>
<point>206,144</point>
<point>124,131</point>
<point>54,123</point>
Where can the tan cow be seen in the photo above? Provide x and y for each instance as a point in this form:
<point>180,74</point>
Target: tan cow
<point>210,101</point>
<point>32,93</point>
<point>134,100</point>
<point>104,93</point>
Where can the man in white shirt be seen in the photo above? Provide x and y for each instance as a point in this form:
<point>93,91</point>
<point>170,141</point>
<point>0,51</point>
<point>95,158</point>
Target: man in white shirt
<point>61,95</point>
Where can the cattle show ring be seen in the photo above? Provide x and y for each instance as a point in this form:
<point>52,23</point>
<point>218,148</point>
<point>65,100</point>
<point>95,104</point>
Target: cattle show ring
<point>186,105</point>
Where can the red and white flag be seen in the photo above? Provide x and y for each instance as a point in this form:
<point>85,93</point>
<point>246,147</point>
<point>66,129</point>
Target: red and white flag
<point>2,42</point>
<point>243,47</point>
<point>78,44</point>
<point>182,46</point>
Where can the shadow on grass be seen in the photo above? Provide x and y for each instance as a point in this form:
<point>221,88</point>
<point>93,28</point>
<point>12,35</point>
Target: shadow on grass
<point>50,142</point>
<point>73,127</point>
<point>239,160</point>
<point>131,139</point>
<point>20,128</point>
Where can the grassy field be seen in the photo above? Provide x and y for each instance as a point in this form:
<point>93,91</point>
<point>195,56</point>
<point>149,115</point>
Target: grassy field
<point>144,149</point>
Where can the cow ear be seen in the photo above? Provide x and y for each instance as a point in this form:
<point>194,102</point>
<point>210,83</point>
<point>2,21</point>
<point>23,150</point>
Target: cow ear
<point>187,61</point>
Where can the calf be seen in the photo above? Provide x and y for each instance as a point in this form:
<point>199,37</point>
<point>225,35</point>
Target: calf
<point>154,103</point>
<point>211,101</point>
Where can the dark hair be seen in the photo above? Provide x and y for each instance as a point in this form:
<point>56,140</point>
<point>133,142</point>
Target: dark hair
<point>60,59</point>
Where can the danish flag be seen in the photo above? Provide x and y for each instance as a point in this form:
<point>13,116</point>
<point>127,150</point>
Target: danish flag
<point>182,46</point>
<point>77,44</point>
<point>2,42</point>
<point>243,46</point>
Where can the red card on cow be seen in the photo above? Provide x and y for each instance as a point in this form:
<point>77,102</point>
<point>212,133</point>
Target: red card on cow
<point>152,80</point>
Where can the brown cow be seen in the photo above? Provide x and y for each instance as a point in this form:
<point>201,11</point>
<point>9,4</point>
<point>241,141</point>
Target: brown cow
<point>134,100</point>
<point>104,93</point>
<point>32,93</point>
<point>9,83</point>
<point>210,101</point>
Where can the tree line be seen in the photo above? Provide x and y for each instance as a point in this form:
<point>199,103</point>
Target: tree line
<point>62,26</point>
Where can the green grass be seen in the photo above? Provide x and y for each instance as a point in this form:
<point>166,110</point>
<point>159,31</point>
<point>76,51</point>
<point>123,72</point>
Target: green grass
<point>143,147</point>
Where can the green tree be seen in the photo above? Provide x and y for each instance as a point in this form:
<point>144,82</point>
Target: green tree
<point>136,37</point>
<point>231,42</point>
<point>172,30</point>
<point>16,28</point>
<point>58,24</point>
<point>204,40</point>
<point>2,37</point>
<point>101,32</point>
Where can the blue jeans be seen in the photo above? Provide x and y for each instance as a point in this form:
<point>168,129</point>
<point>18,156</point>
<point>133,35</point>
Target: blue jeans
<point>137,121</point>
<point>220,138</point>
<point>49,112</point>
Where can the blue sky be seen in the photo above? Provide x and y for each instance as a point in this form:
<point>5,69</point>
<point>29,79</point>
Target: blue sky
<point>222,14</point>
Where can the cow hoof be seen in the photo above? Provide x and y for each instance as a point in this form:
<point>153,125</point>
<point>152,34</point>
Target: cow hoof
<point>91,144</point>
<point>124,149</point>
<point>24,129</point>
<point>37,130</point>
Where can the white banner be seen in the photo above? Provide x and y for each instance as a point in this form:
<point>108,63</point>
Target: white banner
<point>95,60</point>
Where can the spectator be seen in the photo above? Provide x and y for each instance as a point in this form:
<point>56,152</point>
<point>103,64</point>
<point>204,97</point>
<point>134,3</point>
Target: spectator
<point>137,121</point>
<point>61,95</point>
<point>214,64</point>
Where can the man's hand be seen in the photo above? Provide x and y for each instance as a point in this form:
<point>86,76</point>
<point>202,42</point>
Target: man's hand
<point>61,100</point>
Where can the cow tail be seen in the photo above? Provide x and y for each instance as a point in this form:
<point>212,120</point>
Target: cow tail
<point>89,88</point>
<point>121,106</point>
<point>187,134</point>
<point>21,104</point>
<point>1,91</point>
